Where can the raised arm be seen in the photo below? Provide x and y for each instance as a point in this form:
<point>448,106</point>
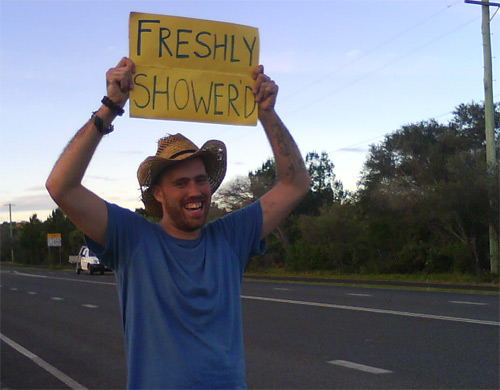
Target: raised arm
<point>84,208</point>
<point>293,178</point>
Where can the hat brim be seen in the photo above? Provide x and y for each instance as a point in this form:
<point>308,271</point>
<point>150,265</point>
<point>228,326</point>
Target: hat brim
<point>213,154</point>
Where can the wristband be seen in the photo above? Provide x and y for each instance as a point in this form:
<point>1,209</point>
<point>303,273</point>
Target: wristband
<point>99,124</point>
<point>112,106</point>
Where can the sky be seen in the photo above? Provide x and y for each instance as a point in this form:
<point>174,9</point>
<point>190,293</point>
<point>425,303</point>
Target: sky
<point>349,72</point>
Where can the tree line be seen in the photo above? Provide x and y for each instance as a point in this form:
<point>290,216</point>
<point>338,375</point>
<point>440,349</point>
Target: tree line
<point>424,203</point>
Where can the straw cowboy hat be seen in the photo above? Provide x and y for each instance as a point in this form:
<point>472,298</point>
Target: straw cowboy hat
<point>172,150</point>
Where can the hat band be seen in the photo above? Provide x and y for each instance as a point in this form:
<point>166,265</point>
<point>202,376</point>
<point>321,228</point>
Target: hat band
<point>181,153</point>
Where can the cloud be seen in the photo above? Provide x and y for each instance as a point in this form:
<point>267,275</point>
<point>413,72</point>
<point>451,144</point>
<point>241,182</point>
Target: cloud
<point>354,150</point>
<point>35,189</point>
<point>353,53</point>
<point>131,152</point>
<point>32,203</point>
<point>104,178</point>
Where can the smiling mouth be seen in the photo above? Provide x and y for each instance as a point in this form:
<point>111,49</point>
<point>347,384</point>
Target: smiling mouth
<point>193,206</point>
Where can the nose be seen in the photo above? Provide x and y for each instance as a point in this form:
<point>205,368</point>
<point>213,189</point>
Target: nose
<point>194,189</point>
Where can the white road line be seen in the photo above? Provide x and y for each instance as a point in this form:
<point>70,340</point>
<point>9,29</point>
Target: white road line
<point>13,289</point>
<point>68,279</point>
<point>90,306</point>
<point>281,289</point>
<point>57,298</point>
<point>32,293</point>
<point>359,367</point>
<point>469,303</point>
<point>42,363</point>
<point>359,295</point>
<point>371,310</point>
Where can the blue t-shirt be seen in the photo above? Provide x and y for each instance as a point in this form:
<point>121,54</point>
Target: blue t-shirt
<point>180,299</point>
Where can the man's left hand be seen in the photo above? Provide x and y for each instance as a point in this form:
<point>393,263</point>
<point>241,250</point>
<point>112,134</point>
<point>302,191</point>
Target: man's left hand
<point>265,90</point>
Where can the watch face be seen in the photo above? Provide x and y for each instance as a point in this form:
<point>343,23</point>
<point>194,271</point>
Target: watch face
<point>99,125</point>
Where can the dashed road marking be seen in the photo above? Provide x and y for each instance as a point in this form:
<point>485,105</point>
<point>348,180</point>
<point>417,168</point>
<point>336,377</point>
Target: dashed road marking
<point>32,293</point>
<point>14,289</point>
<point>90,306</point>
<point>57,298</point>
<point>469,303</point>
<point>360,367</point>
<point>359,295</point>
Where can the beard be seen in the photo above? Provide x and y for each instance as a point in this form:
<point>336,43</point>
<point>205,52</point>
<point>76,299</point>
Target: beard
<point>182,219</point>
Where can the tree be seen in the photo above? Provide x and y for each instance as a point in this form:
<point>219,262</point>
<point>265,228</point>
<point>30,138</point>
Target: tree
<point>58,222</point>
<point>235,194</point>
<point>426,187</point>
<point>325,189</point>
<point>32,241</point>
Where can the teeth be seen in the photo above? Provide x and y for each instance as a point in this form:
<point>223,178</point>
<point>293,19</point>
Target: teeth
<point>193,206</point>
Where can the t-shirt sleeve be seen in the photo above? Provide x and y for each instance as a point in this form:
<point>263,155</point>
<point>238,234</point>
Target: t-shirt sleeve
<point>242,229</point>
<point>122,233</point>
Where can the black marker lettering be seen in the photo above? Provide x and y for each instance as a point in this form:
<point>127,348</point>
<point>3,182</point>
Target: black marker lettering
<point>249,96</point>
<point>220,45</point>
<point>162,43</point>
<point>187,94</point>
<point>137,84</point>
<point>164,92</point>
<point>232,50</point>
<point>216,95</point>
<point>209,51</point>
<point>179,42</point>
<point>232,99</point>
<point>202,99</point>
<point>140,30</point>
<point>250,49</point>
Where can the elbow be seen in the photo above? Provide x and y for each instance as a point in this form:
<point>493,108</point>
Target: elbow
<point>305,183</point>
<point>302,185</point>
<point>56,189</point>
<point>51,188</point>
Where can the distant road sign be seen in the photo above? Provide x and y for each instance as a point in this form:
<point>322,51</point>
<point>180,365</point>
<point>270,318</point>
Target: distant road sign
<point>54,239</point>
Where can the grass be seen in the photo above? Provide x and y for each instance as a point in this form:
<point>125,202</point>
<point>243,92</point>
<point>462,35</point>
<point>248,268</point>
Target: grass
<point>485,279</point>
<point>444,278</point>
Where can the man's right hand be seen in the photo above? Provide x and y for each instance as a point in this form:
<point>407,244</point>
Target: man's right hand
<point>119,81</point>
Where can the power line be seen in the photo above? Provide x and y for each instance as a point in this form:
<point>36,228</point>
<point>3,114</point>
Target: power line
<point>374,49</point>
<point>381,67</point>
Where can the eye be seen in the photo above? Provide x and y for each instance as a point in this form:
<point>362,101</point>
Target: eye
<point>202,179</point>
<point>180,183</point>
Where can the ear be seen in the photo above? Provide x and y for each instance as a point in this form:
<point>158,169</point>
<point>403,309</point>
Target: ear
<point>157,193</point>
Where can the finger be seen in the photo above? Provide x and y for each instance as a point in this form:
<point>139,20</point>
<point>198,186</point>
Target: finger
<point>122,62</point>
<point>263,82</point>
<point>257,70</point>
<point>261,79</point>
<point>268,92</point>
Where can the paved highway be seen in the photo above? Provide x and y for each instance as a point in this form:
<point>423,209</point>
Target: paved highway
<point>59,331</point>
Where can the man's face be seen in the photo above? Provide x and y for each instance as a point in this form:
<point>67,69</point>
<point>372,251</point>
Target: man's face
<point>184,192</point>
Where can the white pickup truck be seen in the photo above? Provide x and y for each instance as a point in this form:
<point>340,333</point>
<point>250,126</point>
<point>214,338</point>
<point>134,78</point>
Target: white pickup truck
<point>87,261</point>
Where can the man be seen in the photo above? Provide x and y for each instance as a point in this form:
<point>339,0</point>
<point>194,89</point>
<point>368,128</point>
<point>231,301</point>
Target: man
<point>179,280</point>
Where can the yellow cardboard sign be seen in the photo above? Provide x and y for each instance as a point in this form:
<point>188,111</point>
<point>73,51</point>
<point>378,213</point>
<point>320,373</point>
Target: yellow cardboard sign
<point>193,70</point>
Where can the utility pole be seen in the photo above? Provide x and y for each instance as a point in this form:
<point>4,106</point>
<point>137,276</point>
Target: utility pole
<point>11,235</point>
<point>489,118</point>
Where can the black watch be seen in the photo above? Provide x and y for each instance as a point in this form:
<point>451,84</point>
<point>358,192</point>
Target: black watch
<point>99,125</point>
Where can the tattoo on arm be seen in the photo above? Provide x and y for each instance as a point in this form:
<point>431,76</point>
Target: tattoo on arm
<point>286,149</point>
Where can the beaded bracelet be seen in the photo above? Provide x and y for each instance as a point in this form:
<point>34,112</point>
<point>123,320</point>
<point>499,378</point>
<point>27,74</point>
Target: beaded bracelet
<point>112,106</point>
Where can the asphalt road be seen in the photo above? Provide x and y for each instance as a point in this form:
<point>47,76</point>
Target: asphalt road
<point>59,330</point>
